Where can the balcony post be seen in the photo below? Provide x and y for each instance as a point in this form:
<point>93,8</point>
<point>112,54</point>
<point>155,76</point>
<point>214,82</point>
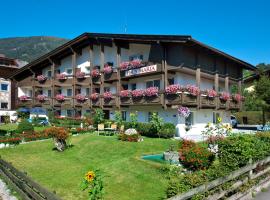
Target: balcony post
<point>91,67</point>
<point>74,63</point>
<point>227,83</point>
<point>33,86</point>
<point>239,85</point>
<point>52,83</point>
<point>102,74</point>
<point>118,83</point>
<point>216,87</point>
<point>164,76</point>
<point>198,83</point>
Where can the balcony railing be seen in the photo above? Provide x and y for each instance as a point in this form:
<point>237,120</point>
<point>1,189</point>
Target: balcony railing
<point>85,103</point>
<point>68,101</point>
<point>110,77</point>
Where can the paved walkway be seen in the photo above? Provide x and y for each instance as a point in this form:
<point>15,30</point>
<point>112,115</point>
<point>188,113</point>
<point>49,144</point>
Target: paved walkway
<point>263,195</point>
<point>5,192</point>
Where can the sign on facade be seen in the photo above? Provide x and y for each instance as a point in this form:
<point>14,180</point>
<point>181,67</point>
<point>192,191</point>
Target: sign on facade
<point>143,70</point>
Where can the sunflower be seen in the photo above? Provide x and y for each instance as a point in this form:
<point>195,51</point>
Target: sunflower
<point>89,176</point>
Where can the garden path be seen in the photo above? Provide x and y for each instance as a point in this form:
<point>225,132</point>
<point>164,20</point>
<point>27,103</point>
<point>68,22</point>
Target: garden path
<point>5,192</point>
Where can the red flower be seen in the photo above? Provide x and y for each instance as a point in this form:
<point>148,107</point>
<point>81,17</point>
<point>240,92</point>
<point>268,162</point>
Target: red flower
<point>107,69</point>
<point>41,78</point>
<point>80,75</point>
<point>23,98</point>
<point>211,93</point>
<point>124,93</point>
<point>94,96</point>
<point>237,97</point>
<point>107,95</point>
<point>80,98</point>
<point>152,91</point>
<point>172,89</point>
<point>193,90</point>
<point>95,73</point>
<point>60,97</point>
<point>225,96</point>
<point>137,93</point>
<point>41,97</point>
<point>124,66</point>
<point>61,76</point>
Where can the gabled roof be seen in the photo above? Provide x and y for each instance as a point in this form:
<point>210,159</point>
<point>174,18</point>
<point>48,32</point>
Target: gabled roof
<point>256,76</point>
<point>133,37</point>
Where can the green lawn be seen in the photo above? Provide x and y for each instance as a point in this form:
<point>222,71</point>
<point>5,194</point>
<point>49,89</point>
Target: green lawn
<point>13,126</point>
<point>126,175</point>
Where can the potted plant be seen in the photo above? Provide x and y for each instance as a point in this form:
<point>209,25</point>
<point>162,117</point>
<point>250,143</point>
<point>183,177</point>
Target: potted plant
<point>136,63</point>
<point>184,112</point>
<point>124,66</point>
<point>107,96</point>
<point>60,98</point>
<point>61,76</point>
<point>94,96</point>
<point>41,97</point>
<point>41,78</point>
<point>224,96</point>
<point>151,94</point>
<point>137,95</point>
<point>193,90</point>
<point>80,98</point>
<point>211,93</point>
<point>80,75</point>
<point>23,98</point>
<point>236,98</point>
<point>107,69</point>
<point>172,91</point>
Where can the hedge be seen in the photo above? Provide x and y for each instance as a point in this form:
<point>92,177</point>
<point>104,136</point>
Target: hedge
<point>253,117</point>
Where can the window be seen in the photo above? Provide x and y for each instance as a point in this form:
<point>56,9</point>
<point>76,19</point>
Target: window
<point>87,70</point>
<point>87,91</point>
<point>96,90</point>
<point>133,86</point>
<point>30,93</point>
<point>154,83</point>
<point>171,81</point>
<point>49,74</point>
<point>216,115</point>
<point>125,86</point>
<point>4,87</point>
<point>106,89</point>
<point>4,105</point>
<point>69,71</point>
<point>124,115</point>
<point>190,119</point>
<point>69,113</point>
<point>49,93</point>
<point>69,92</point>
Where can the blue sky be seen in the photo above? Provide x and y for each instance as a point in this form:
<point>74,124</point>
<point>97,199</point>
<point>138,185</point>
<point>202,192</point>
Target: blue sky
<point>238,27</point>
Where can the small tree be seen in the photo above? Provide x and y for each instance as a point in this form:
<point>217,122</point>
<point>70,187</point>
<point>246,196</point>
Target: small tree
<point>60,135</point>
<point>98,116</point>
<point>118,118</point>
<point>262,91</point>
<point>133,119</point>
<point>156,122</point>
<point>25,126</point>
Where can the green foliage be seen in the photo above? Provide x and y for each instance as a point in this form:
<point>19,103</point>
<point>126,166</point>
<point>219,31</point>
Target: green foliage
<point>146,129</point>
<point>118,118</point>
<point>133,119</point>
<point>156,122</point>
<point>23,115</point>
<point>262,90</point>
<point>253,117</point>
<point>98,116</point>
<point>129,138</point>
<point>237,151</point>
<point>94,184</point>
<point>25,126</point>
<point>29,48</point>
<point>167,130</point>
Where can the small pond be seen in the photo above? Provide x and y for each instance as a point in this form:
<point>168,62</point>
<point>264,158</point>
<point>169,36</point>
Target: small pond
<point>158,158</point>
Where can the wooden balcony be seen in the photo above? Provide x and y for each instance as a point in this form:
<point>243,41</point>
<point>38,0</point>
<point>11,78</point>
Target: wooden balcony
<point>234,105</point>
<point>109,102</point>
<point>84,104</point>
<point>26,103</point>
<point>46,83</point>
<point>68,102</point>
<point>222,104</point>
<point>64,82</point>
<point>189,100</point>
<point>173,99</point>
<point>83,81</point>
<point>208,102</point>
<point>96,80</point>
<point>125,100</point>
<point>110,77</point>
<point>96,103</point>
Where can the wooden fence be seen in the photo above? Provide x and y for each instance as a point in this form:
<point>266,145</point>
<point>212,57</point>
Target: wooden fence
<point>24,185</point>
<point>215,183</point>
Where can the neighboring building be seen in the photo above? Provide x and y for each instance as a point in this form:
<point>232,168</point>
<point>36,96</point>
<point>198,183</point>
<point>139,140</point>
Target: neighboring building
<point>249,81</point>
<point>7,87</point>
<point>167,60</point>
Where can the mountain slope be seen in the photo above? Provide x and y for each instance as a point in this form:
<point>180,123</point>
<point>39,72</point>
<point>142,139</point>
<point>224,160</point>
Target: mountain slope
<point>29,48</point>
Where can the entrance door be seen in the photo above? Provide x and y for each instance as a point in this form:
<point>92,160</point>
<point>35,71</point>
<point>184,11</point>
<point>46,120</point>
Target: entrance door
<point>106,114</point>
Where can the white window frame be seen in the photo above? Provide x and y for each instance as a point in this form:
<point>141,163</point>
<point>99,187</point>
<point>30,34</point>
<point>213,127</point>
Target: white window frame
<point>7,87</point>
<point>69,69</point>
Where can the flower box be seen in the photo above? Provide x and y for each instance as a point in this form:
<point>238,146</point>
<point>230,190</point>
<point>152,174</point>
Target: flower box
<point>172,89</point>
<point>61,77</point>
<point>23,98</point>
<point>60,98</point>
<point>107,95</point>
<point>41,98</point>
<point>80,75</point>
<point>192,90</point>
<point>174,98</point>
<point>207,101</point>
<point>137,93</point>
<point>224,96</point>
<point>95,73</point>
<point>80,98</point>
<point>151,92</point>
<point>152,99</point>
<point>107,69</point>
<point>94,96</point>
<point>237,98</point>
<point>189,99</point>
<point>41,78</point>
<point>211,93</point>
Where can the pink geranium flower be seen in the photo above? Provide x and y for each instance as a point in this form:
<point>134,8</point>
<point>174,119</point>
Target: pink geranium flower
<point>41,97</point>
<point>95,73</point>
<point>60,97</point>
<point>225,96</point>
<point>151,91</point>
<point>172,89</point>
<point>94,96</point>
<point>137,93</point>
<point>124,93</point>
<point>193,90</point>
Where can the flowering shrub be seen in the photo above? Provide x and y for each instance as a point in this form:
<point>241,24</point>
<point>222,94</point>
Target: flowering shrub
<point>172,89</point>
<point>94,96</point>
<point>124,93</point>
<point>137,93</point>
<point>211,93</point>
<point>61,76</point>
<point>41,97</point>
<point>107,95</point>
<point>14,141</point>
<point>151,91</point>
<point>124,66</point>
<point>60,97</point>
<point>136,63</point>
<point>107,69</point>
<point>183,111</point>
<point>23,98</point>
<point>193,90</point>
<point>41,78</point>
<point>80,75</point>
<point>129,138</point>
<point>80,98</point>
<point>95,73</point>
<point>94,184</point>
<point>225,96</point>
<point>236,97</point>
<point>60,135</point>
<point>193,156</point>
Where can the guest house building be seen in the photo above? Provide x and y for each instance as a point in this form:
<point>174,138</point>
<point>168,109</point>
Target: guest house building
<point>134,73</point>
